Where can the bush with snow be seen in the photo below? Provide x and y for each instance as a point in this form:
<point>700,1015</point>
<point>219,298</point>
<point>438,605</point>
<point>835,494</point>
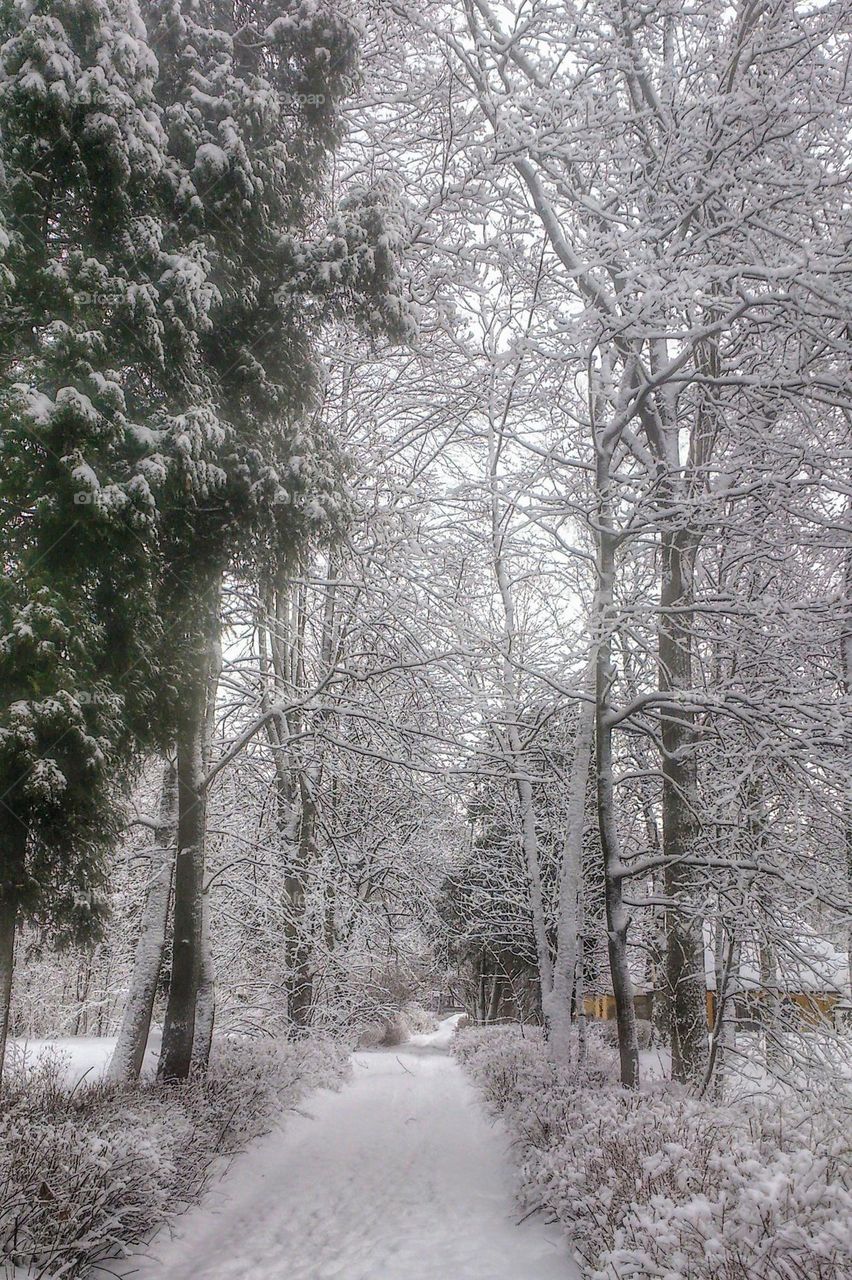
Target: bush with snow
<point>395,1031</point>
<point>659,1184</point>
<point>370,1036</point>
<point>396,1028</point>
<point>420,1021</point>
<point>85,1175</point>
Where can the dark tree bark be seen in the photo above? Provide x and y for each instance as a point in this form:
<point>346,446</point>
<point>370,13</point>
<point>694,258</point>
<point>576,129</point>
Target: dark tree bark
<point>13,835</point>
<point>179,1027</point>
<point>617,919</point>
<point>190,740</point>
<point>686,983</point>
<point>8,924</point>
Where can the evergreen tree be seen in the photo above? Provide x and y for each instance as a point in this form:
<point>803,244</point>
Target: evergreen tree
<point>251,98</point>
<point>100,364</point>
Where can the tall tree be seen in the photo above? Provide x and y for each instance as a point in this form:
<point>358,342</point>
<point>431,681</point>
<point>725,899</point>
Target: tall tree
<point>126,1062</point>
<point>252,99</point>
<point>82,151</point>
<point>690,319</point>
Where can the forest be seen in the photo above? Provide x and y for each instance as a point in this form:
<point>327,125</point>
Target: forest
<point>426,639</point>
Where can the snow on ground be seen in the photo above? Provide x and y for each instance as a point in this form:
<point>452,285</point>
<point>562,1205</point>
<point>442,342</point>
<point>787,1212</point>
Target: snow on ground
<point>798,1058</point>
<point>655,1064</point>
<point>81,1058</point>
<point>400,1176</point>
<point>437,1040</point>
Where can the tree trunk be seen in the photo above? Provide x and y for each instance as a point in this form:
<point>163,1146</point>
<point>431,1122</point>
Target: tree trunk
<point>298,949</point>
<point>724,1033</point>
<point>205,1000</point>
<point>661,1005</point>
<point>530,846</point>
<point>205,1004</point>
<point>297,956</point>
<point>655,962</point>
<point>126,1062</point>
<point>179,1027</point>
<point>580,990</point>
<point>294,827</point>
<point>14,838</point>
<point>617,919</point>
<point>846,690</point>
<point>8,924</point>
<point>685,979</point>
<point>769,996</point>
<point>283,666</point>
<point>512,713</point>
<point>558,1002</point>
<point>476,990</point>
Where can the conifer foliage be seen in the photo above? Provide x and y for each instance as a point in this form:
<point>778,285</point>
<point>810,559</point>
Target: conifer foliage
<point>251,102</point>
<point>170,257</point>
<point>82,151</point>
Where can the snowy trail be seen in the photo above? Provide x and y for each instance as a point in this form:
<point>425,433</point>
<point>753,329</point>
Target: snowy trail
<point>400,1176</point>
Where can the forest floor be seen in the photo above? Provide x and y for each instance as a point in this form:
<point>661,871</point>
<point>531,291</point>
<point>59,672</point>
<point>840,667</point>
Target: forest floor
<point>399,1175</point>
<point>82,1059</point>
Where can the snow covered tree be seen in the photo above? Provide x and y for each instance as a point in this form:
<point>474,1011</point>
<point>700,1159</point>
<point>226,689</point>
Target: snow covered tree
<point>82,150</point>
<point>126,1062</point>
<point>679,297</point>
<point>251,99</point>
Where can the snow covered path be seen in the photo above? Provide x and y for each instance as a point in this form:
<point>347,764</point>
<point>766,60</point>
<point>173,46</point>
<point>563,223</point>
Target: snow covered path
<point>400,1176</point>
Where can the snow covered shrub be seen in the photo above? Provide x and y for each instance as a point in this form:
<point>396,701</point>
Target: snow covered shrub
<point>85,1175</point>
<point>387,1034</point>
<point>387,997</point>
<point>249,1081</point>
<point>395,1031</point>
<point>420,1021</point>
<point>371,1035</point>
<point>509,1065</point>
<point>396,1028</point>
<point>659,1184</point>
